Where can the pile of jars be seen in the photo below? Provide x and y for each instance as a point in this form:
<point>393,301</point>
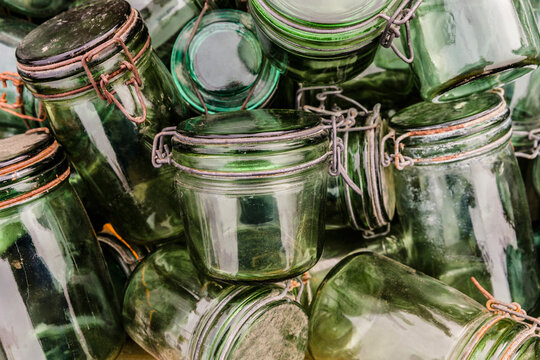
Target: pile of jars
<point>270,179</point>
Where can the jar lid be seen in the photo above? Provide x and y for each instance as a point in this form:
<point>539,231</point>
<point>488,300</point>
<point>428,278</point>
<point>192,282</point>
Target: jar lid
<point>323,25</point>
<point>466,126</point>
<point>30,164</point>
<point>250,143</point>
<point>89,33</point>
<point>223,62</point>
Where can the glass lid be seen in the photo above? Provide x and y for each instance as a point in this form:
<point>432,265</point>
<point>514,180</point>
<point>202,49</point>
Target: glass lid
<point>428,115</point>
<point>19,148</point>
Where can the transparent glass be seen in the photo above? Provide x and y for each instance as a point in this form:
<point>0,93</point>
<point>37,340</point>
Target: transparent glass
<point>36,8</point>
<point>371,308</point>
<point>224,62</point>
<point>463,205</point>
<point>320,42</point>
<point>253,228</point>
<point>462,48</point>
<point>54,282</point>
<point>174,312</point>
<point>111,153</point>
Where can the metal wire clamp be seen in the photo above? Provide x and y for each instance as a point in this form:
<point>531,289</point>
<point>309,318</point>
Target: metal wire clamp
<point>17,108</point>
<point>534,136</point>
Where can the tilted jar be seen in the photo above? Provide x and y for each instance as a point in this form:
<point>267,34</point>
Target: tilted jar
<point>461,199</point>
<point>252,188</point>
<point>321,42</point>
<point>174,312</point>
<point>222,64</point>
<point>107,94</point>
<point>461,48</point>
<point>370,308</point>
<point>57,294</point>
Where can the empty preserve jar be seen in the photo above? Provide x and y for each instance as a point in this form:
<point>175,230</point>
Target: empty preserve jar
<point>252,188</point>
<point>370,308</point>
<point>321,42</point>
<point>462,48</point>
<point>56,290</point>
<point>461,199</point>
<point>107,94</point>
<point>223,64</point>
<point>174,312</point>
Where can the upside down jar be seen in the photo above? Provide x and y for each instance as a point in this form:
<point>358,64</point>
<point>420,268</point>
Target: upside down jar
<point>252,188</point>
<point>461,199</point>
<point>107,94</point>
<point>57,293</point>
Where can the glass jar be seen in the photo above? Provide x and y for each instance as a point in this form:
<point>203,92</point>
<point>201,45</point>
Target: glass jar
<point>252,187</point>
<point>17,99</point>
<point>36,8</point>
<point>321,42</point>
<point>223,64</point>
<point>107,125</point>
<point>461,48</point>
<point>173,312</point>
<point>56,290</point>
<point>370,308</point>
<point>461,199</point>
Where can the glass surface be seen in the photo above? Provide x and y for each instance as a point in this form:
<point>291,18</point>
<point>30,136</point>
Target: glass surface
<point>464,207</point>
<point>254,228</point>
<point>370,307</point>
<point>54,282</point>
<point>305,49</point>
<point>36,8</point>
<point>462,48</point>
<point>174,312</point>
<point>223,61</point>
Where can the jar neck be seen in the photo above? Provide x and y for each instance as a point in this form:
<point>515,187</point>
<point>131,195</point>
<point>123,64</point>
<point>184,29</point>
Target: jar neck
<point>495,337</point>
<point>222,326</point>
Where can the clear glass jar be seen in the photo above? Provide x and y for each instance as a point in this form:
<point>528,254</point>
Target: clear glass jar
<point>461,48</point>
<point>371,308</point>
<point>56,292</point>
<point>18,99</point>
<point>36,8</point>
<point>173,312</point>
<point>321,42</point>
<point>461,199</point>
<point>252,187</point>
<point>107,131</point>
<point>223,64</point>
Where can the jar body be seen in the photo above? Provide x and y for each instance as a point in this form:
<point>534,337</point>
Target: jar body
<point>36,8</point>
<point>457,61</point>
<point>255,229</point>
<point>113,154</point>
<point>469,217</point>
<point>175,313</point>
<point>55,283</point>
<point>370,307</point>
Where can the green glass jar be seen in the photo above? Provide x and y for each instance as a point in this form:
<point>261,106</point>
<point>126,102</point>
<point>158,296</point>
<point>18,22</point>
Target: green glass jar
<point>18,101</point>
<point>321,42</point>
<point>56,292</point>
<point>36,8</point>
<point>173,312</point>
<point>461,199</point>
<point>370,307</point>
<point>107,94</point>
<point>461,48</point>
<point>252,187</point>
<point>222,64</point>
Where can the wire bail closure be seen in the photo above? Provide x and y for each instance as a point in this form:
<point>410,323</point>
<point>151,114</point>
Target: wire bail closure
<point>17,108</point>
<point>534,136</point>
<point>403,15</point>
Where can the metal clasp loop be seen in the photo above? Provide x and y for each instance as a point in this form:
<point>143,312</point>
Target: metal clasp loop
<point>161,153</point>
<point>403,15</point>
<point>17,108</point>
<point>399,160</point>
<point>126,66</point>
<point>533,135</point>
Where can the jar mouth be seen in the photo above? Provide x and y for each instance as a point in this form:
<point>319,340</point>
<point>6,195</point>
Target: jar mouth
<point>78,70</point>
<point>317,37</point>
<point>31,164</point>
<point>224,62</point>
